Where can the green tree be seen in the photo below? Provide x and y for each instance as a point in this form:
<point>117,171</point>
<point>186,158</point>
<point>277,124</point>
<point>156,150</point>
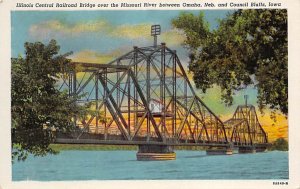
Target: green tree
<point>249,47</point>
<point>38,108</point>
<point>280,144</point>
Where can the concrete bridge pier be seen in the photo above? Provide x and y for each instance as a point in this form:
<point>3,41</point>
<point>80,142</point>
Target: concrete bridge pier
<point>220,151</point>
<point>155,153</point>
<point>247,149</point>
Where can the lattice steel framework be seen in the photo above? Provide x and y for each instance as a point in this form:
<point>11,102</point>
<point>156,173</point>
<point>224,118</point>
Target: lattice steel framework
<point>121,93</point>
<point>244,128</point>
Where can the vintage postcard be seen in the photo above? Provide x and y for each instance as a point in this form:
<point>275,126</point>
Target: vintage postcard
<point>167,94</point>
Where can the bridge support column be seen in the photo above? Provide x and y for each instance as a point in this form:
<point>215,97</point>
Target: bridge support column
<point>261,149</point>
<point>155,153</point>
<point>220,151</point>
<point>247,149</point>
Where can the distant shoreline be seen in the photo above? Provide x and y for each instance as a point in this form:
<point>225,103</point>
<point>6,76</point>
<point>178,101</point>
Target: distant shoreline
<point>97,147</point>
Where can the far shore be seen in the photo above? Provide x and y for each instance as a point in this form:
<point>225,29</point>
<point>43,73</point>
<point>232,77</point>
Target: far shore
<point>97,147</point>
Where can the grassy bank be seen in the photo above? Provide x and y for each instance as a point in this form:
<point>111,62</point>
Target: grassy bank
<point>93,147</point>
<point>89,147</point>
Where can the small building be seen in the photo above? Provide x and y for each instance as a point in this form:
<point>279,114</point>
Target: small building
<point>155,106</point>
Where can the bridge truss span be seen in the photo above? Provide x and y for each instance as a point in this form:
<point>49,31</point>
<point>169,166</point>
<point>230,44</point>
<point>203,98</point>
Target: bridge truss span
<point>244,128</point>
<point>144,96</point>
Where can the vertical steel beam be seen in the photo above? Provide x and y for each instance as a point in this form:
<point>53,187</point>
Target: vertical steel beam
<point>217,128</point>
<point>104,85</point>
<point>74,82</point>
<point>128,104</point>
<point>148,85</point>
<point>97,98</point>
<point>74,92</point>
<point>135,96</point>
<point>174,95</point>
<point>118,91</point>
<point>162,88</point>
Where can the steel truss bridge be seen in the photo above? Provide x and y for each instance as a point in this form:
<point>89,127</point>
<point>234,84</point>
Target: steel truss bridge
<point>145,98</point>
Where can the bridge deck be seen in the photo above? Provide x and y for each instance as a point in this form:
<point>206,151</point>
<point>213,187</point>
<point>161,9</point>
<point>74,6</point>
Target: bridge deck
<point>168,143</point>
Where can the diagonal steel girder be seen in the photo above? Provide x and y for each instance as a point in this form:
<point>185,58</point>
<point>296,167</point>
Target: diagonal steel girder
<point>143,55</point>
<point>113,107</point>
<point>103,102</point>
<point>183,73</point>
<point>140,92</point>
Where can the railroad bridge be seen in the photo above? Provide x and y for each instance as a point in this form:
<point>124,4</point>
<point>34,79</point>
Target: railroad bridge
<point>145,98</point>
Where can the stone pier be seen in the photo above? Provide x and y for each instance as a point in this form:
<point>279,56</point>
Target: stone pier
<point>155,153</point>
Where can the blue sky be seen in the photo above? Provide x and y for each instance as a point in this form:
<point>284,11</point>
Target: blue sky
<point>25,23</point>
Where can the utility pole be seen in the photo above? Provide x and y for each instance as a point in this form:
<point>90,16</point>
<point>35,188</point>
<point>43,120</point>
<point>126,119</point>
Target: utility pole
<point>246,99</point>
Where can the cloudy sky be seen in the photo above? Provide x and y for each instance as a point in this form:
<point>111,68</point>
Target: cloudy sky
<point>102,33</point>
<point>101,36</point>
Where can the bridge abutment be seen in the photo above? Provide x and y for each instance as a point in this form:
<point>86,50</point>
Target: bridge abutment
<point>155,153</point>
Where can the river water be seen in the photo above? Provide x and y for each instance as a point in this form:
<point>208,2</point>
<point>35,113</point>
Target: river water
<point>122,165</point>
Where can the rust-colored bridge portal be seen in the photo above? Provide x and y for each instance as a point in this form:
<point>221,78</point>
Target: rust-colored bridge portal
<point>145,98</point>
